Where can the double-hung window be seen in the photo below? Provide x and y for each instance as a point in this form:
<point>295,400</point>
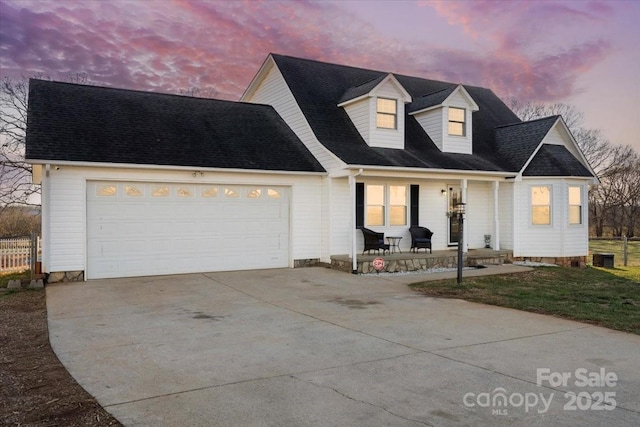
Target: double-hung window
<point>387,113</point>
<point>457,121</point>
<point>386,205</point>
<point>541,205</point>
<point>575,205</point>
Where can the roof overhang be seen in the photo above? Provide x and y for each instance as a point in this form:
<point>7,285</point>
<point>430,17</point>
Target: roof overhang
<point>471,104</point>
<point>390,78</point>
<point>257,79</point>
<point>400,171</point>
<point>166,167</point>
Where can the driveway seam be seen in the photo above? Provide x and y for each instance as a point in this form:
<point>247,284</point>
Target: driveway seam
<point>360,401</point>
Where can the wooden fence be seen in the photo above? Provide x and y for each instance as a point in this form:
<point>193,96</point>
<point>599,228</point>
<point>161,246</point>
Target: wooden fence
<point>19,254</point>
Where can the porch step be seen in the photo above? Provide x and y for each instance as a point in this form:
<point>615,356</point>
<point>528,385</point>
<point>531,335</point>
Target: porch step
<point>404,262</point>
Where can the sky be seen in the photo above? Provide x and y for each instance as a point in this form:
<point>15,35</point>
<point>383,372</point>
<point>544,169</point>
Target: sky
<point>583,53</point>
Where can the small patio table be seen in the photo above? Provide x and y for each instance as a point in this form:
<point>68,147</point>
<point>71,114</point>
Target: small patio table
<point>394,243</point>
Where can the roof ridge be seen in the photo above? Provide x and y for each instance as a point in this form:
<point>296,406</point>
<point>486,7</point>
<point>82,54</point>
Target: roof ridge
<point>396,75</point>
<point>528,121</point>
<point>441,90</point>
<point>146,92</point>
<point>370,81</point>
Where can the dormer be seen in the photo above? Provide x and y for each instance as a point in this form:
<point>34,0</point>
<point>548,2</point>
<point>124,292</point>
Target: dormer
<point>446,117</point>
<point>377,109</point>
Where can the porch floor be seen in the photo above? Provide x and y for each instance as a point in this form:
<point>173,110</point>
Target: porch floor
<point>409,261</point>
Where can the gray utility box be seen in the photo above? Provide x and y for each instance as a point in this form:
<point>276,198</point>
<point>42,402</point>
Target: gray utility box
<point>603,260</point>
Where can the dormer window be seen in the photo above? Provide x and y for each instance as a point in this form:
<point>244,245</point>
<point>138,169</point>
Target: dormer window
<point>387,113</point>
<point>456,121</point>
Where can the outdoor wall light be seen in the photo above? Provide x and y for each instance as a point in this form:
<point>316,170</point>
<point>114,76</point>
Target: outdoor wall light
<point>443,191</point>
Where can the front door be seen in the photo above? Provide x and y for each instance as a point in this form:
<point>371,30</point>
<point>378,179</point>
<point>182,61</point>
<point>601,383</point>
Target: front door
<point>455,197</point>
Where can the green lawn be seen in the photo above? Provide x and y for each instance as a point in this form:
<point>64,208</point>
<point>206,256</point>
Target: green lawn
<point>5,277</point>
<point>605,297</point>
<point>615,247</point>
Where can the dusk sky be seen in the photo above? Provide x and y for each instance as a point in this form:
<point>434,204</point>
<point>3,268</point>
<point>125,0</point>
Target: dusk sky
<point>585,53</point>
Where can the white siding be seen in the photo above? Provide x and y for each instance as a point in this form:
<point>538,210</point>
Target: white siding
<point>559,239</point>
<point>274,91</point>
<point>432,122</point>
<point>341,203</point>
<point>387,138</point>
<point>360,115</point>
<point>554,137</point>
<point>505,203</point>
<point>66,207</point>
<point>457,144</point>
<point>67,219</point>
<point>479,218</point>
<point>433,212</point>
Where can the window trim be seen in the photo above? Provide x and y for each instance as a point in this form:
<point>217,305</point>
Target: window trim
<point>394,115</point>
<point>463,122</point>
<point>549,205</point>
<point>581,222</point>
<point>386,205</point>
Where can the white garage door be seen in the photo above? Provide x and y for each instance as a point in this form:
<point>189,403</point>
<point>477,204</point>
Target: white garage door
<point>140,229</point>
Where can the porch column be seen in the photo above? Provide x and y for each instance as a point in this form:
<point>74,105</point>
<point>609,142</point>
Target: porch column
<point>496,217</point>
<point>465,229</point>
<point>352,192</point>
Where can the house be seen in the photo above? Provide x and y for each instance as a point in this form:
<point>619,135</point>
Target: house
<point>138,183</point>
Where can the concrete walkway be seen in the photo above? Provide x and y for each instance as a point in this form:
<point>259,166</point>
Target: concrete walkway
<point>315,347</point>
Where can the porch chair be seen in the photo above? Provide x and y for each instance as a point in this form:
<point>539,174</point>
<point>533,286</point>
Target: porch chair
<point>373,241</point>
<point>420,238</point>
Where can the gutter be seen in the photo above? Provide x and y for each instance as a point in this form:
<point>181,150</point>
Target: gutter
<point>167,167</point>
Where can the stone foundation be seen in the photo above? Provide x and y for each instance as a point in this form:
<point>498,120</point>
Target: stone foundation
<point>397,263</point>
<point>65,276</point>
<point>570,261</point>
<point>310,262</point>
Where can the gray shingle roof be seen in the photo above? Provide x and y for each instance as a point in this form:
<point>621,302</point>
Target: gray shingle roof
<point>318,87</point>
<point>363,89</point>
<point>517,142</point>
<point>555,160</point>
<point>430,100</point>
<point>68,122</point>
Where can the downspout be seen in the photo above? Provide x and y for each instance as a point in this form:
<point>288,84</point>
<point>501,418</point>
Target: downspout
<point>496,216</point>
<point>46,218</point>
<point>352,190</point>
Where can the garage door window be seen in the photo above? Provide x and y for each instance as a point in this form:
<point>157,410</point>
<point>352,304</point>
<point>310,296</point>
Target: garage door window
<point>160,191</point>
<point>254,193</point>
<point>210,192</point>
<point>230,192</point>
<point>133,191</point>
<point>273,193</point>
<point>184,192</point>
<point>107,190</point>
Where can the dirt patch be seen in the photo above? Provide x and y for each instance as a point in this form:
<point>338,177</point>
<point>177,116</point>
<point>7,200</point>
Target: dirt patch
<point>36,389</point>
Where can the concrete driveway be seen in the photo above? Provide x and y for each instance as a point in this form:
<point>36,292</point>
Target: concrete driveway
<point>315,347</point>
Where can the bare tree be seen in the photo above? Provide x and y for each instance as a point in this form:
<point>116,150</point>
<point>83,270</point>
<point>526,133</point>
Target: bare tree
<point>614,205</point>
<point>594,145</point>
<point>15,174</point>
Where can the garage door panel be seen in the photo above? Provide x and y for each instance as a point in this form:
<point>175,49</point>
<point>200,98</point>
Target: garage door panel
<point>160,231</point>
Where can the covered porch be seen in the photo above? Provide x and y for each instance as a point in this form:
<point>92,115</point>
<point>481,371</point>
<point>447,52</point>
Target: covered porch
<point>410,261</point>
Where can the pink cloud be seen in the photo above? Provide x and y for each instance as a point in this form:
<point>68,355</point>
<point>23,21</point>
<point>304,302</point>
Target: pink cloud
<point>178,45</point>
